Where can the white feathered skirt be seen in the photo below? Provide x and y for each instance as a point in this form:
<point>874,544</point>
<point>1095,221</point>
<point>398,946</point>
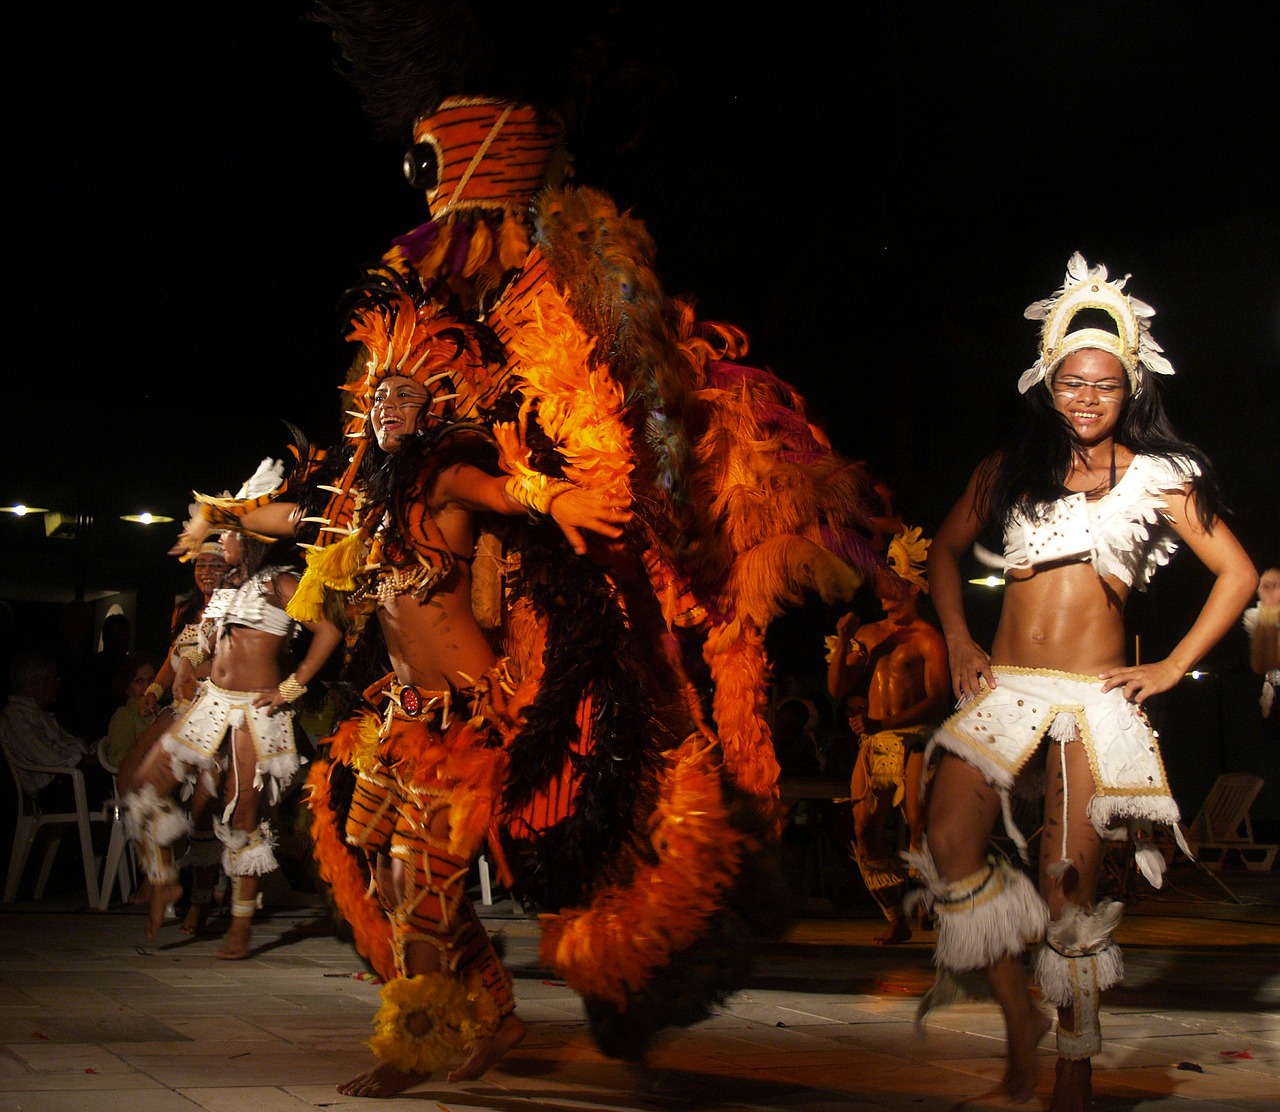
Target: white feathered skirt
<point>999,731</point>
<point>196,738</point>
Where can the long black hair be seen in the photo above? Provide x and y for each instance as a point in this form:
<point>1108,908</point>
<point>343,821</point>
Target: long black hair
<point>1030,472</point>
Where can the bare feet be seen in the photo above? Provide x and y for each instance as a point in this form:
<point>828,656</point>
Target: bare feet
<point>1023,1069</point>
<point>194,920</point>
<point>162,895</point>
<point>898,931</point>
<point>142,895</point>
<point>235,943</point>
<point>383,1080</point>
<point>485,1052</point>
<point>1072,1086</point>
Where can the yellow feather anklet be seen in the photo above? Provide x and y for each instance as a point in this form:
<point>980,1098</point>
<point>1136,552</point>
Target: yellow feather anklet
<point>460,1013</point>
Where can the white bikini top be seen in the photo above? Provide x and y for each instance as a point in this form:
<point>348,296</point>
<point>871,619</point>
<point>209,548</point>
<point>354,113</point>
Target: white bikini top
<point>250,606</point>
<point>204,633</point>
<point>1124,533</point>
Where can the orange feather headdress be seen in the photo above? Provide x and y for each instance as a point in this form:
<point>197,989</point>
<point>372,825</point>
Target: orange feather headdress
<point>456,361</point>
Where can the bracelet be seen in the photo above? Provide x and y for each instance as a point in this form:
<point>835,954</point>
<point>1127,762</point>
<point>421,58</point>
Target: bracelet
<point>291,689</point>
<point>154,690</point>
<point>534,490</point>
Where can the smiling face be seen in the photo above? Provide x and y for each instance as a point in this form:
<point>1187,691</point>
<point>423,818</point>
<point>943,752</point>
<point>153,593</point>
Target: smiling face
<point>209,572</point>
<point>397,405</point>
<point>1089,390</point>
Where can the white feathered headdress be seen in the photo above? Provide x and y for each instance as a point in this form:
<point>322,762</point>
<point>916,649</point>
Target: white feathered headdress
<point>266,480</point>
<point>1087,287</point>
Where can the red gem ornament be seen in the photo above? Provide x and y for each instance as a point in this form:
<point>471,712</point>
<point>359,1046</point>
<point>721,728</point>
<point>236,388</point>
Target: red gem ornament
<point>410,700</point>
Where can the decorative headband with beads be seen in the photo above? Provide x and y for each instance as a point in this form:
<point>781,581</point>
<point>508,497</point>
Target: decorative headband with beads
<point>1087,287</point>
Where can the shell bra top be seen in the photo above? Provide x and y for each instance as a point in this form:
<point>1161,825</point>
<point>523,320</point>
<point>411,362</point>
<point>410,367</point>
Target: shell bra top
<point>1124,533</point>
<point>417,562</point>
<point>249,606</point>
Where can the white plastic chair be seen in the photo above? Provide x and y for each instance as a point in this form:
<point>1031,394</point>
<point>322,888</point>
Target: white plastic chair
<point>31,820</point>
<point>1223,824</point>
<point>119,865</point>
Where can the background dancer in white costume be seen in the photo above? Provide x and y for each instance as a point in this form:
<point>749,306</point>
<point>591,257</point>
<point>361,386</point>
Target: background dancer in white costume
<point>1093,494</point>
<point>236,734</point>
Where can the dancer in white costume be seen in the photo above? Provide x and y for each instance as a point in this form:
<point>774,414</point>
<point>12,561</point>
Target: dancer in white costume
<point>237,732</point>
<point>1093,495</point>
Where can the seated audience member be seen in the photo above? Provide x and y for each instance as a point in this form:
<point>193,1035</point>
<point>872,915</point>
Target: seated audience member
<point>31,734</point>
<point>137,712</point>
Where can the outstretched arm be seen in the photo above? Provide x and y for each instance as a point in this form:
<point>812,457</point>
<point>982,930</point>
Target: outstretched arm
<point>1235,580</point>
<point>573,508</point>
<point>275,519</point>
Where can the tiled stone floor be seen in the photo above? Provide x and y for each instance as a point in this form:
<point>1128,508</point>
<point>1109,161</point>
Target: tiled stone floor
<point>94,1017</point>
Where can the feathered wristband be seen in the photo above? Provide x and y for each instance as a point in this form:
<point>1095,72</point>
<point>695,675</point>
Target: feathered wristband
<point>535,491</point>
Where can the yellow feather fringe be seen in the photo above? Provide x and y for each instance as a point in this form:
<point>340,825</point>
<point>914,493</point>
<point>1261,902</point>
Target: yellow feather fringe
<point>307,604</point>
<point>461,1012</point>
<point>331,568</point>
<point>479,249</point>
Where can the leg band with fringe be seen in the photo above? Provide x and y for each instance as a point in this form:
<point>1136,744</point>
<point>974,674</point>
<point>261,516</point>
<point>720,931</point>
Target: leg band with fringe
<point>153,824</point>
<point>247,852</point>
<point>427,1020</point>
<point>993,913</point>
<point>1076,963</point>
<point>156,862</point>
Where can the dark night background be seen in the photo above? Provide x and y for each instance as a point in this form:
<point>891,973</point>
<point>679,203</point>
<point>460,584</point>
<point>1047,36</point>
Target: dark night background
<point>873,193</point>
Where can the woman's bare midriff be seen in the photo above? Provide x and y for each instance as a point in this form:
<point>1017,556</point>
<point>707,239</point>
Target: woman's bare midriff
<point>436,643</point>
<point>247,660</point>
<point>1065,617</point>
